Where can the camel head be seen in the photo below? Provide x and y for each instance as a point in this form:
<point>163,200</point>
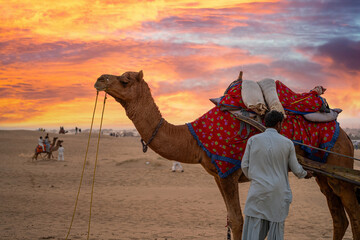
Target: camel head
<point>56,147</point>
<point>123,88</point>
<point>54,140</point>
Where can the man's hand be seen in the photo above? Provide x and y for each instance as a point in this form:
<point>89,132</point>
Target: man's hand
<point>309,174</point>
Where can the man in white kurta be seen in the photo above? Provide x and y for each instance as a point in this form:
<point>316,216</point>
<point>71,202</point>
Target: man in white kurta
<point>268,157</point>
<point>61,153</point>
<point>41,143</point>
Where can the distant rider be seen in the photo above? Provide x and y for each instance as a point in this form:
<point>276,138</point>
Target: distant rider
<point>41,143</point>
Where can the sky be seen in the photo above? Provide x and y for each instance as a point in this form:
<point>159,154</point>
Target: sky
<point>52,52</point>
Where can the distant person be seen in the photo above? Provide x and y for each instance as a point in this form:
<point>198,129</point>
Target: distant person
<point>61,153</point>
<point>177,165</point>
<point>41,143</point>
<point>79,130</point>
<point>76,130</point>
<point>47,143</point>
<point>267,159</point>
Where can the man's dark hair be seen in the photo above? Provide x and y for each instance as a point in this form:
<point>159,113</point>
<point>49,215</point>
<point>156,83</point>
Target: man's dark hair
<point>272,118</point>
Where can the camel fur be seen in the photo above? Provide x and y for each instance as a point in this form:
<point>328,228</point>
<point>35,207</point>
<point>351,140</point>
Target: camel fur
<point>177,144</point>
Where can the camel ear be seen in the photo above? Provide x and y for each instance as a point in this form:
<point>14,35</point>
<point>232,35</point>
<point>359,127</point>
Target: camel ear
<point>140,76</point>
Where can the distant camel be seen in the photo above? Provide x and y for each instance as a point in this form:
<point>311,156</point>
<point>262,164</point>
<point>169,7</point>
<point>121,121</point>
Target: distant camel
<point>53,147</point>
<point>62,130</point>
<point>177,143</point>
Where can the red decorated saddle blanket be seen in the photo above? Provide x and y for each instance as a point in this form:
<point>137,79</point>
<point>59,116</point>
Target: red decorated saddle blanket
<point>39,149</point>
<point>300,103</point>
<point>224,138</point>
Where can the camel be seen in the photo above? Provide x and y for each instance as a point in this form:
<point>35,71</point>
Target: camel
<point>62,130</point>
<point>53,147</point>
<point>176,143</point>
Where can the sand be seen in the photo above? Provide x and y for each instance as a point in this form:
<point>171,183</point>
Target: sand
<point>132,199</point>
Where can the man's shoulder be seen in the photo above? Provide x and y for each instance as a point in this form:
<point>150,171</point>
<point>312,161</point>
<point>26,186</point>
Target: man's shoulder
<point>274,135</point>
<point>256,136</point>
<point>278,136</point>
<point>284,139</point>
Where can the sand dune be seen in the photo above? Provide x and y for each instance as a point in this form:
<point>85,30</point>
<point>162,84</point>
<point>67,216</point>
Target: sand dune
<point>132,199</point>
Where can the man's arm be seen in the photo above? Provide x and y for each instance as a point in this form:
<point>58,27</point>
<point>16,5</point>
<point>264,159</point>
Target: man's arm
<point>295,167</point>
<point>245,159</point>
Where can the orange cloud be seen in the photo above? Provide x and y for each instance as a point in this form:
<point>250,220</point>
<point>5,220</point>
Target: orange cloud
<point>76,19</point>
<point>97,20</point>
<point>51,55</point>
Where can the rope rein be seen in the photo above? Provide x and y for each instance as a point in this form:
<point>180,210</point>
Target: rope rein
<point>82,173</point>
<point>144,144</point>
<point>96,160</point>
<point>145,147</point>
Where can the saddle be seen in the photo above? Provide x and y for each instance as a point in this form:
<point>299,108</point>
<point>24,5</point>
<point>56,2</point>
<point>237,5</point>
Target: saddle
<point>266,91</point>
<point>40,150</point>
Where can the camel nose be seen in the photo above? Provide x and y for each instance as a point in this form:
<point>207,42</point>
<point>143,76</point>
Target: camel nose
<point>100,84</point>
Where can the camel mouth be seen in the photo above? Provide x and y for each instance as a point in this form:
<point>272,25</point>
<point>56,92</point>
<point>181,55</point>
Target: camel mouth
<point>100,86</point>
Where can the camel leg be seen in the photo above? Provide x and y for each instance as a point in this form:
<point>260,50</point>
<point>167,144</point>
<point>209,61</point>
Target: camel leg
<point>35,156</point>
<point>229,189</point>
<point>340,221</point>
<point>346,192</point>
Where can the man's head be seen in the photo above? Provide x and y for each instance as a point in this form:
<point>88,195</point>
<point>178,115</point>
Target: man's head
<point>273,119</point>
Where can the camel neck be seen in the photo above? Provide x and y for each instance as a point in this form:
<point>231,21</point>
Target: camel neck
<point>171,142</point>
<point>144,113</point>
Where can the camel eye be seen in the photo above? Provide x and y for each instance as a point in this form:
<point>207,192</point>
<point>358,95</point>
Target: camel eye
<point>123,80</point>
<point>124,83</point>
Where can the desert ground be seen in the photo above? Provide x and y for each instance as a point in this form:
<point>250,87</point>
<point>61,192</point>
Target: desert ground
<point>136,195</point>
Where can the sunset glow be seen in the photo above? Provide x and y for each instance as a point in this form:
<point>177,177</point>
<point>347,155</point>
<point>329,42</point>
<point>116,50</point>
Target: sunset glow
<point>52,52</point>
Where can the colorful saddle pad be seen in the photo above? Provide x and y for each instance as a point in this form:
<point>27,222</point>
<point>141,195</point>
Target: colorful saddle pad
<point>224,139</point>
<point>39,149</point>
<point>300,103</point>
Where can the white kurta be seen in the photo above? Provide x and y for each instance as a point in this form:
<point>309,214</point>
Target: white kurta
<point>61,153</point>
<point>41,143</point>
<point>266,161</point>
